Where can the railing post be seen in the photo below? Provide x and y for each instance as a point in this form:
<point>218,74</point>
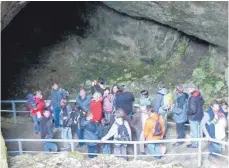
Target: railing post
<point>20,147</point>
<point>72,146</point>
<point>14,112</point>
<point>199,153</point>
<point>135,150</point>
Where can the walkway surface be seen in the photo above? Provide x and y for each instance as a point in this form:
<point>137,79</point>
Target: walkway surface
<point>24,129</point>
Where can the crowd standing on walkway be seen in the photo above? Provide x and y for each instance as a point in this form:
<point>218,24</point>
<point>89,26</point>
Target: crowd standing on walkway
<point>108,114</point>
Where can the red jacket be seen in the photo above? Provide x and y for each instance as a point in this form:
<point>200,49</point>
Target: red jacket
<point>96,110</point>
<point>40,107</point>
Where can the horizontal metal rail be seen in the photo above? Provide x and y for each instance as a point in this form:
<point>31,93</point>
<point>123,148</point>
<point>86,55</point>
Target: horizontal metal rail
<point>135,143</point>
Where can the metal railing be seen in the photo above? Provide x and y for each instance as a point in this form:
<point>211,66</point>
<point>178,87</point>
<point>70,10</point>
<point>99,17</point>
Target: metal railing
<point>199,153</point>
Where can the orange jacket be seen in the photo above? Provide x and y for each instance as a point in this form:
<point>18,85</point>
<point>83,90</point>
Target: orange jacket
<point>150,124</point>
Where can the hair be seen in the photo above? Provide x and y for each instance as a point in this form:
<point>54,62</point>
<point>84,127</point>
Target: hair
<point>161,85</point>
<point>37,91</point>
<point>83,89</point>
<point>113,87</point>
<point>101,80</point>
<point>97,95</point>
<point>107,88</point>
<point>119,113</point>
<point>55,83</point>
<point>214,102</point>
<point>145,93</point>
<point>149,108</point>
<point>223,102</point>
<point>46,109</point>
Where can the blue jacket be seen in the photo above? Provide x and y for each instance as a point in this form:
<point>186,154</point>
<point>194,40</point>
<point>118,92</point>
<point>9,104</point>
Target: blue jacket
<point>90,131</point>
<point>181,107</point>
<point>211,127</point>
<point>84,103</point>
<point>159,99</point>
<point>56,96</point>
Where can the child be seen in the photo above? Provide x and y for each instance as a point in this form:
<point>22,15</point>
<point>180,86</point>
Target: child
<point>31,101</point>
<point>120,130</point>
<point>104,127</point>
<point>90,133</point>
<point>108,104</point>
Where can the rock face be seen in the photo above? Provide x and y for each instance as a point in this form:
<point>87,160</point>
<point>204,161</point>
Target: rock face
<point>206,20</point>
<point>122,49</point>
<point>3,153</point>
<point>9,10</point>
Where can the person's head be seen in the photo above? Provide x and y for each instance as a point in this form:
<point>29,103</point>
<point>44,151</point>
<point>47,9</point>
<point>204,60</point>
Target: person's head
<point>97,96</point>
<point>55,86</point>
<point>82,92</point>
<point>115,89</point>
<point>224,106</point>
<point>119,114</point>
<point>179,89</point>
<point>191,88</point>
<point>161,85</point>
<point>46,113</point>
<point>107,91</point>
<point>63,102</point>
<point>105,122</point>
<point>38,94</point>
<point>144,94</point>
<point>47,103</point>
<point>101,81</point>
<point>149,108</point>
<point>215,105</point>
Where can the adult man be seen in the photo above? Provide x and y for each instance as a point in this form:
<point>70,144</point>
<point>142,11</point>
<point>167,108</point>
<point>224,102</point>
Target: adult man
<point>195,113</point>
<point>124,100</point>
<point>83,100</point>
<point>57,94</point>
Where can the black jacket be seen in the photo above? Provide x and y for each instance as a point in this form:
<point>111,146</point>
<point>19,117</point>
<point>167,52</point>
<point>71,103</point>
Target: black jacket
<point>125,100</point>
<point>195,107</point>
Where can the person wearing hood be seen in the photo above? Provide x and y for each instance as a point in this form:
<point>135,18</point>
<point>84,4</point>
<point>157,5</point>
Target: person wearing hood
<point>154,129</point>
<point>180,113</point>
<point>195,113</point>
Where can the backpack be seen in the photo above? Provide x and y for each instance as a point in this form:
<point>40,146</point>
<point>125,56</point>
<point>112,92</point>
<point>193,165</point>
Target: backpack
<point>123,134</point>
<point>157,128</point>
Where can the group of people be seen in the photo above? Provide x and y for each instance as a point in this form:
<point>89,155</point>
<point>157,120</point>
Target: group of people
<point>108,114</point>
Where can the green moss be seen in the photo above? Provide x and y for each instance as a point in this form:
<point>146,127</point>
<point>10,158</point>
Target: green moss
<point>76,155</point>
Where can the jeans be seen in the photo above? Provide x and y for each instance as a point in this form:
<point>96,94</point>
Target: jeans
<point>92,149</point>
<point>214,147</point>
<point>79,132</point>
<point>180,127</point>
<point>106,148</point>
<point>195,130</point>
<point>67,134</point>
<point>108,116</point>
<point>57,117</point>
<point>50,147</point>
<point>154,149</point>
<point>120,149</point>
<point>36,123</point>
